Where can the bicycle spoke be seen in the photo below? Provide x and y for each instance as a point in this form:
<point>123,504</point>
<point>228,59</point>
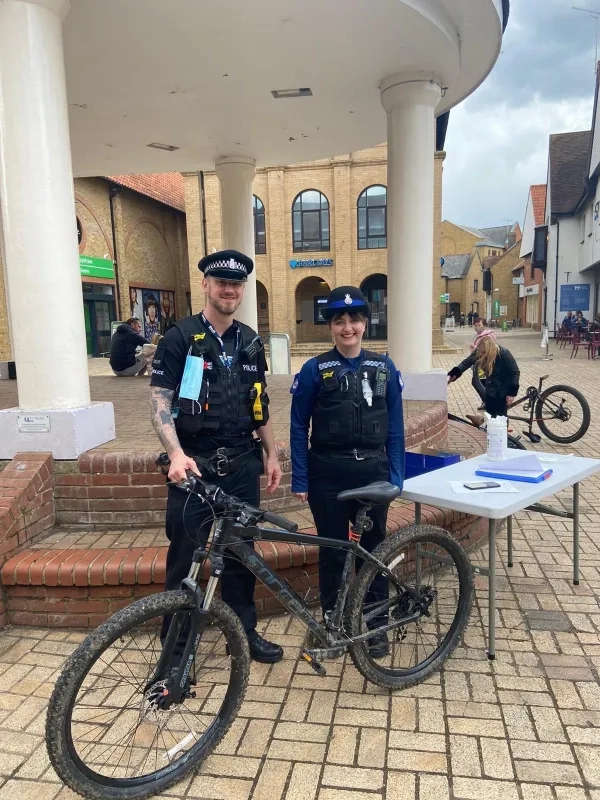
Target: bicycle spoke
<point>115,730</point>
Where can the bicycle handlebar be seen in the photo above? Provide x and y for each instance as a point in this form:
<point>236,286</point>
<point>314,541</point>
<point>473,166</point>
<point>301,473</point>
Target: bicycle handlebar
<point>226,501</point>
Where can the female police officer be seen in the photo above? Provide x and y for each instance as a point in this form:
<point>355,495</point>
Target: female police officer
<point>352,399</point>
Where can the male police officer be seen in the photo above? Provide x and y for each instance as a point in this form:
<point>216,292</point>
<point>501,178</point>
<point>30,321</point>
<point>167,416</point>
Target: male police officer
<point>210,369</point>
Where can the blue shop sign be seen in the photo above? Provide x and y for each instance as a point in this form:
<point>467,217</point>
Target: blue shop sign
<point>311,262</point>
<point>575,297</point>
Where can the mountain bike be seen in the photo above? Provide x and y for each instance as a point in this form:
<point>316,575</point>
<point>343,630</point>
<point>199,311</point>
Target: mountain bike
<point>561,412</point>
<point>131,715</point>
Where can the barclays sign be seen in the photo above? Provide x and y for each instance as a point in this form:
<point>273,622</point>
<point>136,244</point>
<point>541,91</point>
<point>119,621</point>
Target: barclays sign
<point>312,262</point>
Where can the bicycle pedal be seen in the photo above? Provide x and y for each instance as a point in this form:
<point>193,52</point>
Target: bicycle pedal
<point>316,665</point>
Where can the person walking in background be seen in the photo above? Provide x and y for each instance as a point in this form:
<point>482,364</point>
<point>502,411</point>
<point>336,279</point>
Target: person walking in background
<point>500,369</point>
<point>461,321</point>
<point>470,319</point>
<point>352,401</point>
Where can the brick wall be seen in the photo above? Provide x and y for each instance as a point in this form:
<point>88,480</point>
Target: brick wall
<point>5,348</point>
<point>26,505</point>
<point>507,293</point>
<point>151,242</point>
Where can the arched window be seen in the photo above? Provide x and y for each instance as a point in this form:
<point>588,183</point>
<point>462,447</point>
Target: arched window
<point>310,222</point>
<point>260,230</point>
<point>372,218</point>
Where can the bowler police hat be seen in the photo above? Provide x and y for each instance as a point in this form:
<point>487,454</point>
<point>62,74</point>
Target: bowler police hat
<point>230,265</point>
<point>345,298</point>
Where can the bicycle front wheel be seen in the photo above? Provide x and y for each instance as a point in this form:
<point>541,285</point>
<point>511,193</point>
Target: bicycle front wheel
<point>432,564</point>
<point>108,735</point>
<point>563,414</point>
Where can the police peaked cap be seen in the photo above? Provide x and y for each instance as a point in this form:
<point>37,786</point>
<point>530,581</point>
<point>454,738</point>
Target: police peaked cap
<point>345,298</point>
<point>230,265</point>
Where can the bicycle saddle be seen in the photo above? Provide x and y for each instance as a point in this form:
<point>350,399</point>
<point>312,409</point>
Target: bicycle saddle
<point>379,492</point>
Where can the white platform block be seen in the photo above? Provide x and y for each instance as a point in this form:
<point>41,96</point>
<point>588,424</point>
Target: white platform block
<point>430,385</point>
<point>66,433</point>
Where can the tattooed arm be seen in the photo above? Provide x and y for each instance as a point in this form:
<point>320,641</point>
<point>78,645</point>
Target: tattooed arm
<point>163,423</point>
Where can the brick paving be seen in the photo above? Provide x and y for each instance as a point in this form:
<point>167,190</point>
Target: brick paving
<point>525,727</point>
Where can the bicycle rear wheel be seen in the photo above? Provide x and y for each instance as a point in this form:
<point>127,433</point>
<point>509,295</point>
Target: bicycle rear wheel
<point>563,414</point>
<point>430,561</point>
<point>106,734</point>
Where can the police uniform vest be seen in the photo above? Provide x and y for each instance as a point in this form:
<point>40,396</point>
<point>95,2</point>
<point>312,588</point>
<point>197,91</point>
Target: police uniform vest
<point>342,420</point>
<point>232,400</point>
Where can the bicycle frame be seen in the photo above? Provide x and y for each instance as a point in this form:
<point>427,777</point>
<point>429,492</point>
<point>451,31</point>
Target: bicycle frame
<point>229,535</point>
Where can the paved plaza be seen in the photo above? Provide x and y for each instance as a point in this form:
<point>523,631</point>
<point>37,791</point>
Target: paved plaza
<point>525,727</point>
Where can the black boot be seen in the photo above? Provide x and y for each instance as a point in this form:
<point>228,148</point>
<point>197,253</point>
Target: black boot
<point>379,645</point>
<point>262,650</point>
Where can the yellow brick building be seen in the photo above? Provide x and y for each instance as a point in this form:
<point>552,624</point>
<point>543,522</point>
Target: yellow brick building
<point>152,230</point>
<point>467,252</point>
<point>144,217</point>
<point>294,276</point>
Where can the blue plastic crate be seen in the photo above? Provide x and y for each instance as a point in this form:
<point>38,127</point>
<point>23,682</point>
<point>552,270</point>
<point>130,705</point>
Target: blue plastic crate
<point>425,459</point>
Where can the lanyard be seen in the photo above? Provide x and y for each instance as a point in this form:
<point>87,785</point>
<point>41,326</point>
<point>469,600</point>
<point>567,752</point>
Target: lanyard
<point>227,360</point>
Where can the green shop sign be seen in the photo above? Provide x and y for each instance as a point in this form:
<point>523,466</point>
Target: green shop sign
<point>496,308</point>
<point>96,267</point>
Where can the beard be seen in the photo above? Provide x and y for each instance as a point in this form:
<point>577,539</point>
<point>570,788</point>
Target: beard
<point>225,306</point>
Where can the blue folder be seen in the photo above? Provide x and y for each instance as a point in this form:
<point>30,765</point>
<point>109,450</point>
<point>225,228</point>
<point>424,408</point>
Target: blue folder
<point>486,473</point>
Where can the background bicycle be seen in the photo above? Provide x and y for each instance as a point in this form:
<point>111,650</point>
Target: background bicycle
<point>561,412</point>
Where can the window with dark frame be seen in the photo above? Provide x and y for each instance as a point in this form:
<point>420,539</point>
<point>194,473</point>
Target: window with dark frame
<point>475,285</point>
<point>310,222</point>
<point>371,218</point>
<point>260,228</point>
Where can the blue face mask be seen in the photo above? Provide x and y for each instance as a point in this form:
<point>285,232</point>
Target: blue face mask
<point>191,382</point>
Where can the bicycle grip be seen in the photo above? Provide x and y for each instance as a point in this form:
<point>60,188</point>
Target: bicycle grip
<point>280,521</point>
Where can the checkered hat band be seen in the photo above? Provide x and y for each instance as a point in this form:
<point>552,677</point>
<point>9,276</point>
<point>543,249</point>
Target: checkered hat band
<point>229,264</point>
<point>328,364</point>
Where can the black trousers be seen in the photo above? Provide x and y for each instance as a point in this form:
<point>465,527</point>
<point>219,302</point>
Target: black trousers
<point>237,583</point>
<point>496,406</point>
<point>327,477</point>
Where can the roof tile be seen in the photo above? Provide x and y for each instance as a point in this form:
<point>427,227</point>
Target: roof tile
<point>166,187</point>
<point>569,155</point>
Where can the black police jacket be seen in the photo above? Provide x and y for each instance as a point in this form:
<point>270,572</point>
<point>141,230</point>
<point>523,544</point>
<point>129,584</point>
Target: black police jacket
<point>504,380</point>
<point>232,401</point>
<point>342,419</point>
<point>123,346</point>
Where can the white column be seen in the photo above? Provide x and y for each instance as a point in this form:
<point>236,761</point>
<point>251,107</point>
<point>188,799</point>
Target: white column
<point>236,174</point>
<point>410,102</point>
<point>39,232</point>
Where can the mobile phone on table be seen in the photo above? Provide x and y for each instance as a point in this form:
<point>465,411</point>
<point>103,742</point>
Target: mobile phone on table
<point>482,485</point>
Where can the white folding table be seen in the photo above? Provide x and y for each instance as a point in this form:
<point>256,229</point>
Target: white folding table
<point>432,489</point>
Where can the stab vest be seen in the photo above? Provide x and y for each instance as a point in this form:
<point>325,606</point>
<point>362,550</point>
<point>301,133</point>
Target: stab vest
<point>341,418</point>
<point>227,396</point>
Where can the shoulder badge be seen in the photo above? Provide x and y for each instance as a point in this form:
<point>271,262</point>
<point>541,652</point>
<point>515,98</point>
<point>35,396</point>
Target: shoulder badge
<point>296,384</point>
<point>400,381</point>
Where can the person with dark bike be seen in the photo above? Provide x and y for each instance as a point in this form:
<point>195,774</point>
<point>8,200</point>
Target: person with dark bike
<point>209,405</point>
<point>352,399</point>
<point>500,370</point>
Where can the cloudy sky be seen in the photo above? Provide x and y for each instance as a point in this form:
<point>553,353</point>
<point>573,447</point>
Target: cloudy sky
<point>543,83</point>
